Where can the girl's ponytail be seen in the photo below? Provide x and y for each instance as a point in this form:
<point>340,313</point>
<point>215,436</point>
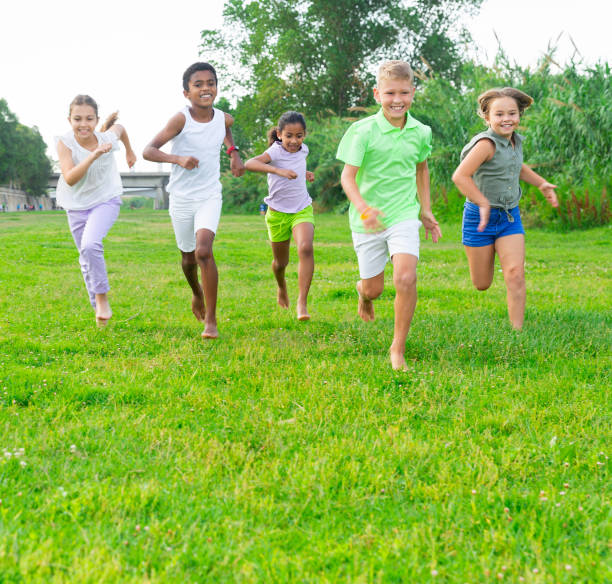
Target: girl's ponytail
<point>108,123</point>
<point>273,135</point>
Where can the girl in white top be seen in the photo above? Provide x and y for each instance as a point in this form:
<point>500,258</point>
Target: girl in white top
<point>198,132</point>
<point>289,205</point>
<point>89,189</point>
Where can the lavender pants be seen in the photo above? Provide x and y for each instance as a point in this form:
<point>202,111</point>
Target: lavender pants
<point>89,228</point>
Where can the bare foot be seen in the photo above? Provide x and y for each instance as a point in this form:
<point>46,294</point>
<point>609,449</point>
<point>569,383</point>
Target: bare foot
<point>302,311</point>
<point>282,297</point>
<point>210,331</point>
<point>365,308</point>
<point>103,310</point>
<point>101,322</point>
<point>198,308</point>
<point>398,361</point>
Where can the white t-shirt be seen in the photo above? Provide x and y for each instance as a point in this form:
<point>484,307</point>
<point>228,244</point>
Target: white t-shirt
<point>203,141</point>
<point>102,181</point>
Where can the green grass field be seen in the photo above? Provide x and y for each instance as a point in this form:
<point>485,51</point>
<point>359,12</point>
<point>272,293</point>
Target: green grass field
<point>290,452</point>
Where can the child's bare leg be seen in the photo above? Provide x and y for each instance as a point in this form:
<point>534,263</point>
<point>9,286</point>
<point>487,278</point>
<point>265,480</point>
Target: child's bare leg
<point>404,279</point>
<point>103,309</point>
<point>511,252</point>
<point>280,250</point>
<point>190,269</point>
<point>304,235</point>
<point>369,289</point>
<point>481,261</point>
<point>210,280</point>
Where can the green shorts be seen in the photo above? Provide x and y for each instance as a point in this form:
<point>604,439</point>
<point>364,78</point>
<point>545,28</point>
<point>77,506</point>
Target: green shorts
<point>280,225</point>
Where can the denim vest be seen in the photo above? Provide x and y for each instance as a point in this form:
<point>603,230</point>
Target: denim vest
<point>498,178</point>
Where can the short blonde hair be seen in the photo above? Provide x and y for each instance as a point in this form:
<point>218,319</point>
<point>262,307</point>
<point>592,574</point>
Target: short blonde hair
<point>523,101</point>
<point>395,70</point>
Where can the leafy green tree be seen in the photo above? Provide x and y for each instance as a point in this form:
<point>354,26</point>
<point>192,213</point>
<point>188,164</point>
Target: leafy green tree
<point>23,161</point>
<point>8,132</point>
<point>316,56</point>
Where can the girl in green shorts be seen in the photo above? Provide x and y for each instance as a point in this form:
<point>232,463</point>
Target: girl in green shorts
<point>289,204</point>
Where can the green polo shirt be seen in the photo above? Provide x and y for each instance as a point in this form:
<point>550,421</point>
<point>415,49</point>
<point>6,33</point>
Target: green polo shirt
<point>387,157</point>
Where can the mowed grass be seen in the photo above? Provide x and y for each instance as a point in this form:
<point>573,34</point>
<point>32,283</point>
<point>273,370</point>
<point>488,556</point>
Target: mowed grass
<point>290,452</point>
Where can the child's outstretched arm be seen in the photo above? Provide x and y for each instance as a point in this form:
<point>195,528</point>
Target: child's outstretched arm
<point>261,163</point>
<point>369,215</point>
<point>533,178</point>
<point>462,177</point>
<point>424,194</point>
<point>130,157</point>
<point>74,173</point>
<point>236,165</point>
<point>173,128</point>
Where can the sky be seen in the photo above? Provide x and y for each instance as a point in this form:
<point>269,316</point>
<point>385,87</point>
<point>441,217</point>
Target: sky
<point>130,55</point>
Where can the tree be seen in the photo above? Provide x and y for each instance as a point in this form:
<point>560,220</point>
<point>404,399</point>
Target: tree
<point>23,161</point>
<point>318,55</point>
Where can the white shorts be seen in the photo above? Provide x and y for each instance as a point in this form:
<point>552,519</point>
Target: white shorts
<point>188,219</point>
<point>374,249</point>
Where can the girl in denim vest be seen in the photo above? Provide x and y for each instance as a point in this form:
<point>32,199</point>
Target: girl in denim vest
<point>488,175</point>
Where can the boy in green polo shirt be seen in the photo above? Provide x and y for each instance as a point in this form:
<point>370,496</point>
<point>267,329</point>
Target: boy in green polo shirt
<point>386,179</point>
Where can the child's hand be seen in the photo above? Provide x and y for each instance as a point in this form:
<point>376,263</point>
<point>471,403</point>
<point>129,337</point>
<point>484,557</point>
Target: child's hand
<point>309,176</point>
<point>431,226</point>
<point>130,157</point>
<point>237,166</point>
<point>285,172</point>
<point>548,190</point>
<point>188,162</point>
<point>485,213</point>
<point>370,219</point>
<point>102,149</point>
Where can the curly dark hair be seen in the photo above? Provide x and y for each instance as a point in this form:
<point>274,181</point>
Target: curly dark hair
<point>199,66</point>
<point>289,117</point>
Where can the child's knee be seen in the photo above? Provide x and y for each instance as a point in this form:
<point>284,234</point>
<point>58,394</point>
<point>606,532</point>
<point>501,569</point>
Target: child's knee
<point>305,249</point>
<point>91,247</point>
<point>372,290</point>
<point>279,264</point>
<point>203,253</point>
<point>481,285</point>
<point>405,281</point>
<point>515,276</point>
<point>188,260</point>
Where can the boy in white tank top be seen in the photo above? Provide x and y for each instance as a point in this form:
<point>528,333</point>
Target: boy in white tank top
<point>198,131</point>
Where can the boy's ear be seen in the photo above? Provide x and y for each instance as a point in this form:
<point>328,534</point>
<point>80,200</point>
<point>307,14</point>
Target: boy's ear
<point>185,93</point>
<point>376,94</point>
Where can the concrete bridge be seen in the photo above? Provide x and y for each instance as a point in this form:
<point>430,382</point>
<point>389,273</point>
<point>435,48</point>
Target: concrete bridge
<point>142,184</point>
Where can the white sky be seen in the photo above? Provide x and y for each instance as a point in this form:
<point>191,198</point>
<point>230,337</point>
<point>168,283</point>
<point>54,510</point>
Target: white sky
<point>130,55</point>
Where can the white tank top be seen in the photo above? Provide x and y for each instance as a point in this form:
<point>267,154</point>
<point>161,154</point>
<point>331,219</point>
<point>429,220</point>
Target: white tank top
<point>203,141</point>
<point>102,181</point>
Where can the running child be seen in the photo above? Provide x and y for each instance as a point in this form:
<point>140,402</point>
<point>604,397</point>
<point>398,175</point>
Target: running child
<point>488,175</point>
<point>386,179</point>
<point>90,189</point>
<point>289,204</point>
<point>198,132</point>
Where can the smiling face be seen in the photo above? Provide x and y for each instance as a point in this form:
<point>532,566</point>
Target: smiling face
<point>202,89</point>
<point>503,116</point>
<point>292,136</point>
<point>395,97</point>
<point>83,119</point>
